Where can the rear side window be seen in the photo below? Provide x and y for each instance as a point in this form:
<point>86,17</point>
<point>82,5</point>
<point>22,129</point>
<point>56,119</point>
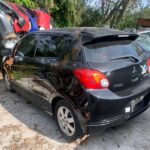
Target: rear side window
<point>53,46</point>
<point>48,46</point>
<point>105,51</point>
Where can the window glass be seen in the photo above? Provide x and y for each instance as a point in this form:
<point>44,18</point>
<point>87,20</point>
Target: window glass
<point>27,46</point>
<point>2,27</point>
<point>52,46</point>
<point>144,42</point>
<point>3,7</point>
<point>147,33</point>
<point>105,51</point>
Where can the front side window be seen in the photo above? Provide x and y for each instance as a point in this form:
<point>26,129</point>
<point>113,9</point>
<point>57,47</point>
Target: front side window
<point>58,46</point>
<point>27,46</point>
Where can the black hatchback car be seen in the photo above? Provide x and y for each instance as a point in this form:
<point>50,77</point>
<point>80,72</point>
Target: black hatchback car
<point>88,78</point>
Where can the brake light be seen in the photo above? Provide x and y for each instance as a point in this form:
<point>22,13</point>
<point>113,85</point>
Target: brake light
<point>148,65</point>
<point>91,79</point>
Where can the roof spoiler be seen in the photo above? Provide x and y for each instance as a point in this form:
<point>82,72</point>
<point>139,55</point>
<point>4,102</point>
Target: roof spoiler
<point>118,37</point>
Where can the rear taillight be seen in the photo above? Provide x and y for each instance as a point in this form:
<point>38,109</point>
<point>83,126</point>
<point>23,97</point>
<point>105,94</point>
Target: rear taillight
<point>148,65</point>
<point>91,79</point>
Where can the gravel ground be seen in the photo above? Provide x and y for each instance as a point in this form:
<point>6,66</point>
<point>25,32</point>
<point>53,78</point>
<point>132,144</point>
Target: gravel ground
<point>23,126</point>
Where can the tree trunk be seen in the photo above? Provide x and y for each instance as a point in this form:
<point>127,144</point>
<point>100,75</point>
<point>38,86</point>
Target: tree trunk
<point>113,11</point>
<point>122,11</point>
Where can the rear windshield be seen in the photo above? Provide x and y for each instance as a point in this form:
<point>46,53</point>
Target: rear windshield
<point>105,51</point>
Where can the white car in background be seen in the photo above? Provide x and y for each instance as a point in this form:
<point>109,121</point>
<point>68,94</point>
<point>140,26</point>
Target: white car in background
<point>147,32</point>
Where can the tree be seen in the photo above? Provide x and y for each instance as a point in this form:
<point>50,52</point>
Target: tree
<point>112,13</point>
<point>64,12</point>
<point>67,12</point>
<point>27,3</point>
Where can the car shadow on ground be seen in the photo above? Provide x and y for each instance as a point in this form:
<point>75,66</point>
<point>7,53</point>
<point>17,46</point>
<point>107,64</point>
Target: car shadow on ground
<point>37,120</point>
<point>30,115</point>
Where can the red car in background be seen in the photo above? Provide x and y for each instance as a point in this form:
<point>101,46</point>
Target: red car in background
<point>23,21</point>
<point>44,19</point>
<point>26,26</point>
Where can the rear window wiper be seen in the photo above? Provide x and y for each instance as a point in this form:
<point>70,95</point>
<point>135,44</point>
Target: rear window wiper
<point>131,58</point>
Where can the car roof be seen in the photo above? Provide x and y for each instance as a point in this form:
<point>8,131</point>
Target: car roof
<point>88,33</point>
<point>93,31</point>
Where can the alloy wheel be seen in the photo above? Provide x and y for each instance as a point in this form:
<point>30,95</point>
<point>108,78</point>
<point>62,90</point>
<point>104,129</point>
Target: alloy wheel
<point>66,121</point>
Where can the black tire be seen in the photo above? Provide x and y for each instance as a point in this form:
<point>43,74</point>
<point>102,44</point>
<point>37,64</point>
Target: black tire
<point>7,83</point>
<point>78,133</point>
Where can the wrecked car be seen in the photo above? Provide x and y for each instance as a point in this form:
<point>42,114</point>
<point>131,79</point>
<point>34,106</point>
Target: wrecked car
<point>44,21</point>
<point>26,20</point>
<point>89,79</point>
<point>8,38</point>
<point>19,21</point>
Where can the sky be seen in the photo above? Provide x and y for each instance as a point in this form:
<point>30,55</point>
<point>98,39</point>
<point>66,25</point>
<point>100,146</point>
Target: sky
<point>92,2</point>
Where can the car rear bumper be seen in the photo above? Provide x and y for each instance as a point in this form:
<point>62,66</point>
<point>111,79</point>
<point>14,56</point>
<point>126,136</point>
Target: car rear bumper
<point>111,109</point>
<point>97,127</point>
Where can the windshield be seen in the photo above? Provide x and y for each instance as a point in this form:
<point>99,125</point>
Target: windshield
<point>144,42</point>
<point>106,51</point>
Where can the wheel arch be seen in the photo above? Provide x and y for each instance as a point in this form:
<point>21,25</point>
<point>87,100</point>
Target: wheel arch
<point>56,100</point>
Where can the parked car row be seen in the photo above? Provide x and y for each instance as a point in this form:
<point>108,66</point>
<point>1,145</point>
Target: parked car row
<point>24,19</point>
<point>16,20</point>
<point>89,79</point>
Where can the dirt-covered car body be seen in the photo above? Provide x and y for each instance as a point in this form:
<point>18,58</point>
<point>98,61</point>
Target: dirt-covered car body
<point>88,78</point>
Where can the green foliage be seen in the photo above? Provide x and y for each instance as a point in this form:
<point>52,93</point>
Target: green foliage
<point>145,13</point>
<point>91,17</point>
<point>67,13</point>
<point>27,3</point>
<point>64,12</point>
<point>128,22</point>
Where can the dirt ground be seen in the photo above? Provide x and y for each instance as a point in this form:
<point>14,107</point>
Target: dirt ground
<point>23,126</point>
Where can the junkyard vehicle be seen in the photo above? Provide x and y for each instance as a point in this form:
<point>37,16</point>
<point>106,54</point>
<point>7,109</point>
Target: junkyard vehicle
<point>89,79</point>
<point>25,20</point>
<point>43,20</point>
<point>20,22</point>
<point>25,25</point>
<point>33,19</point>
<point>8,38</point>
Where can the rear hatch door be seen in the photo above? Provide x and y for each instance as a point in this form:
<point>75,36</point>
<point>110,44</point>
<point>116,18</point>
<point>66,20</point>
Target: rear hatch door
<point>120,60</point>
